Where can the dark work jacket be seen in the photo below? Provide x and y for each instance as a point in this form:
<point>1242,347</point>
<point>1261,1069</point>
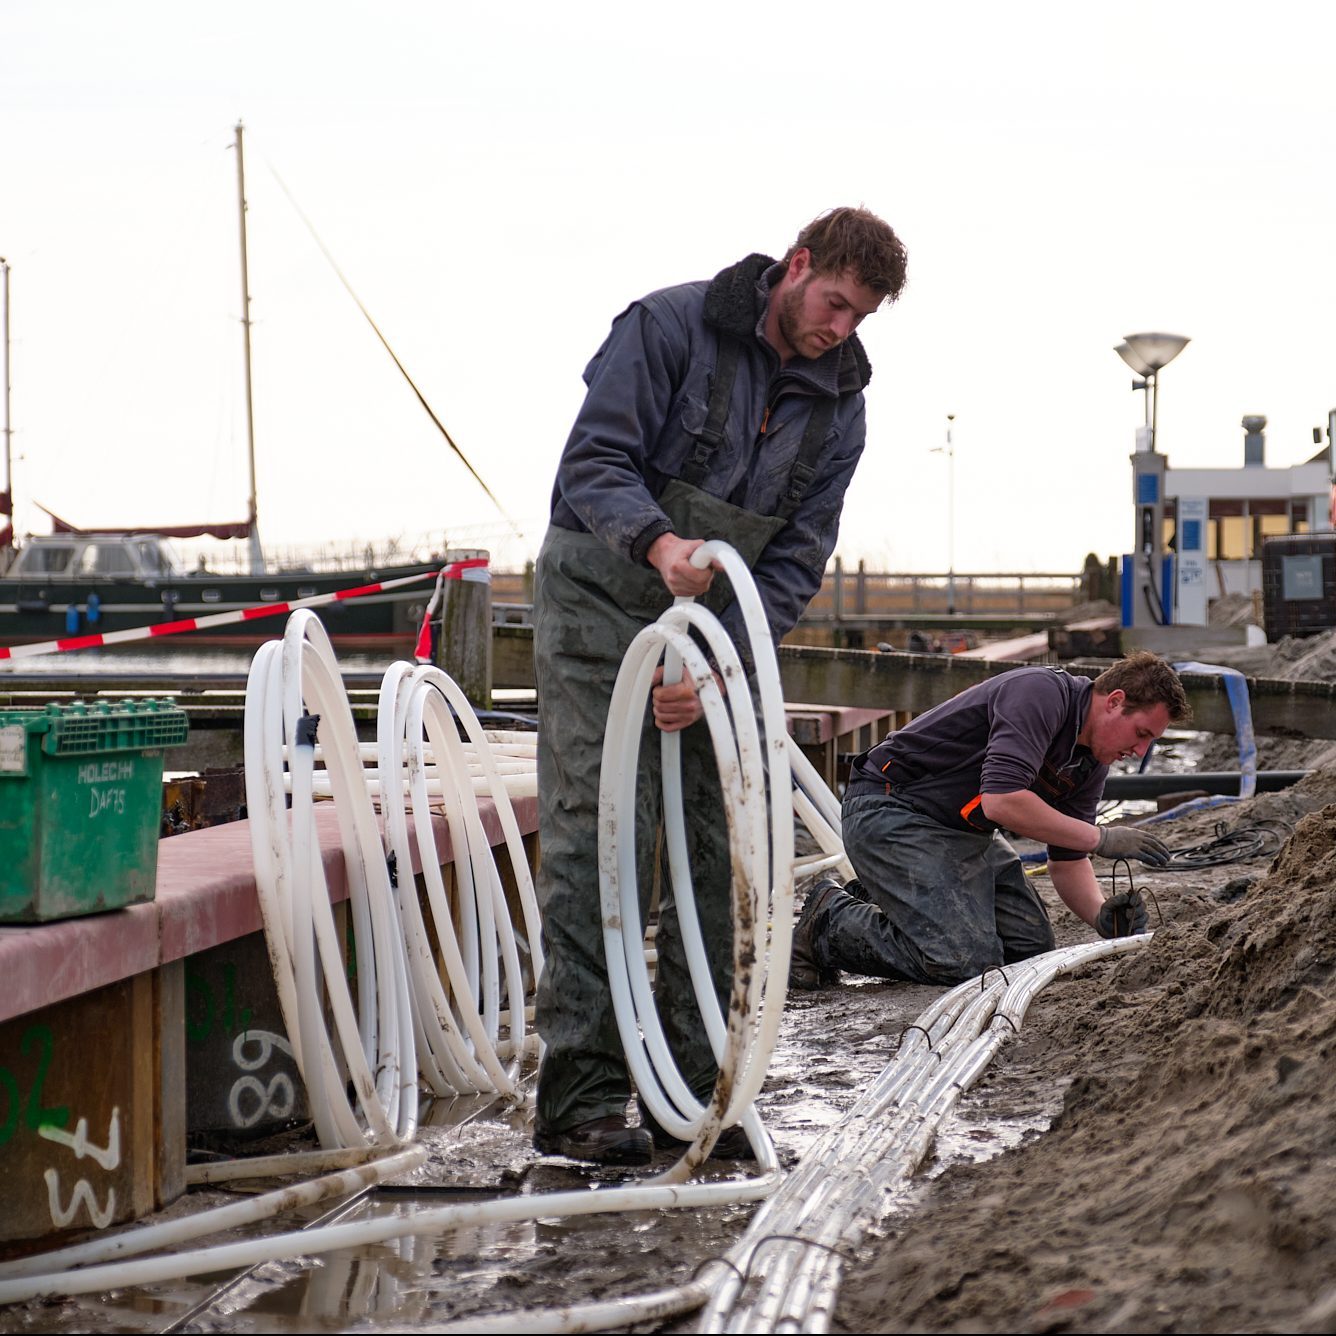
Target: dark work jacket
<point>649,388</point>
<point>1016,731</point>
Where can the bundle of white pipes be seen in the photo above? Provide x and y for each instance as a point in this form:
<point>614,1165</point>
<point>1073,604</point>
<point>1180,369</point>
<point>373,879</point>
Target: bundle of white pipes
<point>783,1275</point>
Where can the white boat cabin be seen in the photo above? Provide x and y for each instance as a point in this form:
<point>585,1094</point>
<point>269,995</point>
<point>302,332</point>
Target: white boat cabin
<point>93,556</point>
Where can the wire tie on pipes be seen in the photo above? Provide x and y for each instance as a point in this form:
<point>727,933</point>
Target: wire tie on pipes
<point>1002,1016</point>
<point>844,1256</point>
<point>899,1043</point>
<point>983,978</point>
<point>720,1261</point>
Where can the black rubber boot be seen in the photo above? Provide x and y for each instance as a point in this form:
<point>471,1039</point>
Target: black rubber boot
<point>805,973</point>
<point>606,1140</point>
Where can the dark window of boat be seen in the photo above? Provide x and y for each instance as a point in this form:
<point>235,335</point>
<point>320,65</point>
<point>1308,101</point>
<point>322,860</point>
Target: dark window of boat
<point>211,595</point>
<point>47,560</point>
<point>103,559</point>
<point>270,595</point>
<point>151,557</point>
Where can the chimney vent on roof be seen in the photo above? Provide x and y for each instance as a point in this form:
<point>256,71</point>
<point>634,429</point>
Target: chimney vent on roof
<point>1254,441</point>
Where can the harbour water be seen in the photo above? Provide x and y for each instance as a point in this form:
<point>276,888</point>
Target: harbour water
<point>176,660</point>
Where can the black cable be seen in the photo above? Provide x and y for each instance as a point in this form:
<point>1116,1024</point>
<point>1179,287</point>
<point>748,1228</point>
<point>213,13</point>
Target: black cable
<point>1260,839</point>
<point>1151,592</point>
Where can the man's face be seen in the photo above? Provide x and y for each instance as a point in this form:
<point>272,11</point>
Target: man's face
<point>817,312</point>
<point>1115,732</point>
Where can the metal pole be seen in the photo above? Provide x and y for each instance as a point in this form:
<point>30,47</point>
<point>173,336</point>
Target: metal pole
<point>9,469</point>
<point>950,519</point>
<point>256,551</point>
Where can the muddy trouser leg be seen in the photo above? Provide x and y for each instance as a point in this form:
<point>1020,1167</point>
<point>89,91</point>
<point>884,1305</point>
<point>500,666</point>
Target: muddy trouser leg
<point>933,897</point>
<point>711,874</point>
<point>584,1073</point>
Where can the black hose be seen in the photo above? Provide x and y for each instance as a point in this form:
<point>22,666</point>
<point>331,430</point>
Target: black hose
<point>1260,839</point>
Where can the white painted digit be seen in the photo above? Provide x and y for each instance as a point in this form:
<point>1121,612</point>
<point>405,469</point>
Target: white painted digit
<point>278,1100</point>
<point>62,1217</point>
<point>78,1141</point>
<point>267,1040</point>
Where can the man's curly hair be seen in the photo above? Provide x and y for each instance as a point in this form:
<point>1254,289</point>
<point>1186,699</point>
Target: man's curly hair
<point>1146,680</point>
<point>858,241</point>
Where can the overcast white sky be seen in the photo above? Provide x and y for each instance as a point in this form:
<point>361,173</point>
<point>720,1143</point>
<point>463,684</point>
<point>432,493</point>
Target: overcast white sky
<point>498,181</point>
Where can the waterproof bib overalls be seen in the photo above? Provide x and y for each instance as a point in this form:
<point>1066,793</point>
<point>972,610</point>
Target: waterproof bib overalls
<point>589,604</point>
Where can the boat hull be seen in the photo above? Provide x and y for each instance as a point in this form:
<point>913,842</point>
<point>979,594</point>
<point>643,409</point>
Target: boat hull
<point>38,610</point>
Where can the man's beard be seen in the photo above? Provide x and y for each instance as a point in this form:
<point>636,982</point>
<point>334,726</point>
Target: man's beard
<point>790,317</point>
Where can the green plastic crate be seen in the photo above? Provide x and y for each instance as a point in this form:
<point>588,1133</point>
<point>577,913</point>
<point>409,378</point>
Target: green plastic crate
<point>80,806</point>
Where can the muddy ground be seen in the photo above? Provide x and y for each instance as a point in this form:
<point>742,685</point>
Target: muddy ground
<point>1188,1180</point>
<point>1185,1183</point>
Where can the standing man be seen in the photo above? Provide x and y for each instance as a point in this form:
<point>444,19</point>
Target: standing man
<point>941,895</point>
<point>730,409</point>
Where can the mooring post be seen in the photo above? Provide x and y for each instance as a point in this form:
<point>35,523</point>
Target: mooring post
<point>465,647</point>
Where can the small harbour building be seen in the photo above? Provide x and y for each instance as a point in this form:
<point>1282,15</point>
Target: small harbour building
<point>1254,530</point>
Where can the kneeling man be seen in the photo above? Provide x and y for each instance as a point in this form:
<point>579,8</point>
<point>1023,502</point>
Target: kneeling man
<point>941,896</point>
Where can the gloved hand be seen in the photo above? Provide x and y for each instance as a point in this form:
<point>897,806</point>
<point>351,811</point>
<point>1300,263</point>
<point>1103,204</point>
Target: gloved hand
<point>1129,842</point>
<point>1122,915</point>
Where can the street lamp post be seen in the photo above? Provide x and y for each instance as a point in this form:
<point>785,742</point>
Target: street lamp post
<point>950,454</point>
<point>1147,354</point>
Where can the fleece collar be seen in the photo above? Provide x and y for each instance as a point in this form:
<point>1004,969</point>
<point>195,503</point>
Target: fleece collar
<point>736,302</point>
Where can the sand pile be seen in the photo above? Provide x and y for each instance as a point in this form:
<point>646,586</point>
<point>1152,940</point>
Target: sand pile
<point>1187,1183</point>
<point>1306,658</point>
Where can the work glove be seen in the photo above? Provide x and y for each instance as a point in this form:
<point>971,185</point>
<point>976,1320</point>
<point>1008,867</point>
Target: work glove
<point>1129,842</point>
<point>1122,915</point>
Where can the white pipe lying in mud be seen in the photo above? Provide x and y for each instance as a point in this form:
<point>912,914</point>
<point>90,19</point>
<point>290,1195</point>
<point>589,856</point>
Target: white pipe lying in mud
<point>309,1242</point>
<point>232,1215</point>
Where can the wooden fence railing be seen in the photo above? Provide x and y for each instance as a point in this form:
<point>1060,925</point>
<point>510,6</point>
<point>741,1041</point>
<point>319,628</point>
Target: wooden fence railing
<point>863,593</point>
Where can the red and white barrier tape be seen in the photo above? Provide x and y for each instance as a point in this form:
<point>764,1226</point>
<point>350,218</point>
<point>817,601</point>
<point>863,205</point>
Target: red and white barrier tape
<point>473,568</point>
<point>224,618</point>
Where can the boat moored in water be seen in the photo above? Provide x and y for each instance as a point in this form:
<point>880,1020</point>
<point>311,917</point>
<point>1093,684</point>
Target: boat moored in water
<point>74,583</point>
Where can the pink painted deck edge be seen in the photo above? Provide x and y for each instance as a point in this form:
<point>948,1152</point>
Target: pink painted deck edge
<point>205,896</point>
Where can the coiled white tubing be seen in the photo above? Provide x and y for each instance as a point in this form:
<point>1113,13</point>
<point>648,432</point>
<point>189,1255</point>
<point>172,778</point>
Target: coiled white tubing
<point>409,1021</point>
<point>761,853</point>
<point>376,1046</point>
<point>458,1034</point>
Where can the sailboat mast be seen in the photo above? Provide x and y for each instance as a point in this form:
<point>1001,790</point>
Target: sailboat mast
<point>256,551</point>
<point>4,339</point>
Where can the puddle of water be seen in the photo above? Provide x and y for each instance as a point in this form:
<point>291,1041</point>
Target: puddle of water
<point>398,1282</point>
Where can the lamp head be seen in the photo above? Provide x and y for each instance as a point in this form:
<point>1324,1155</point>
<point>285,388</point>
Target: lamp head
<point>1153,350</point>
<point>1133,361</point>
